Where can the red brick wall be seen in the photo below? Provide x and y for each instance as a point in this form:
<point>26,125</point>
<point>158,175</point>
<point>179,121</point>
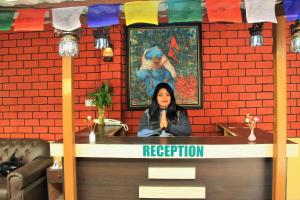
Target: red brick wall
<point>237,80</point>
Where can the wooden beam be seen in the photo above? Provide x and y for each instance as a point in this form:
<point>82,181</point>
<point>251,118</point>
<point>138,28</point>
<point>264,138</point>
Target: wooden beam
<point>70,186</point>
<point>279,161</point>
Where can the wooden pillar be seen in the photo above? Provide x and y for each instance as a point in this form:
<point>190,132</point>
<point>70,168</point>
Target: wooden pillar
<point>70,185</point>
<point>280,92</point>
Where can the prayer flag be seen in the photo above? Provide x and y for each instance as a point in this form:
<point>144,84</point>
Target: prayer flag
<point>30,20</point>
<point>224,10</point>
<point>184,11</point>
<point>103,15</point>
<point>292,9</point>
<point>6,19</point>
<point>141,12</point>
<point>260,11</point>
<point>173,48</point>
<point>67,19</point>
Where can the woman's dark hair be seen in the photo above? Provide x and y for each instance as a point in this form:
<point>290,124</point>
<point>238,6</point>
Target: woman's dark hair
<point>154,109</point>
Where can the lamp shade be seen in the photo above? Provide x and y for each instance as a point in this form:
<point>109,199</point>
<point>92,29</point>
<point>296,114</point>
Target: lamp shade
<point>68,45</point>
<point>108,54</point>
<point>295,34</point>
<point>256,38</point>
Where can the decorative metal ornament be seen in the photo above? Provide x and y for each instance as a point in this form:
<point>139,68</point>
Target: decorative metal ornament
<point>256,38</point>
<point>68,45</point>
<point>101,36</point>
<point>295,33</point>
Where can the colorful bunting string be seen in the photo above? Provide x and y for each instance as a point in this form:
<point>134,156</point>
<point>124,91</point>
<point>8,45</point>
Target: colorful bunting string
<point>67,19</point>
<point>141,12</point>
<point>292,9</point>
<point>103,15</point>
<point>184,11</point>
<point>224,10</point>
<point>6,20</point>
<point>260,11</point>
<point>27,21</point>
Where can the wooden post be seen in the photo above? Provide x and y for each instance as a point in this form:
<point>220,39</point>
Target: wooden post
<point>279,161</point>
<point>70,185</point>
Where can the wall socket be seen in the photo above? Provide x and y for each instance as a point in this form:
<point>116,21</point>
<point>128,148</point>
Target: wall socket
<point>88,103</point>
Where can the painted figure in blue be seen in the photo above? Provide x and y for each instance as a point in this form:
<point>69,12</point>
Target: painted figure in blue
<point>155,68</point>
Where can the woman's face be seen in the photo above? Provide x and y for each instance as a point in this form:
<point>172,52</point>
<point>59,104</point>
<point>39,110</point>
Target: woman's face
<point>163,98</point>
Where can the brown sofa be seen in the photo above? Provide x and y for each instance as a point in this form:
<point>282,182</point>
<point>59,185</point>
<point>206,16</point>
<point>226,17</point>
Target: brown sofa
<point>29,181</point>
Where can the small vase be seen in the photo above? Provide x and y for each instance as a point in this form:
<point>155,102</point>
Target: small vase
<point>252,136</point>
<point>92,137</point>
<point>101,116</point>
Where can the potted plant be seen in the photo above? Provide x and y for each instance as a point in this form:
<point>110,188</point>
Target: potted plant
<point>101,98</point>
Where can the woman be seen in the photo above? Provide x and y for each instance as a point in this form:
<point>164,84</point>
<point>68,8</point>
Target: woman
<point>164,117</point>
<point>155,68</point>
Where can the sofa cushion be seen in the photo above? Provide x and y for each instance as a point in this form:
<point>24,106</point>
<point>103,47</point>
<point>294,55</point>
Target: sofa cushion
<point>26,149</point>
<point>3,189</point>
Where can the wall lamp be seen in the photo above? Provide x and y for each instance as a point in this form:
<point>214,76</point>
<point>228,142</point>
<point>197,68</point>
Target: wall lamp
<point>68,45</point>
<point>102,41</point>
<point>295,33</point>
<point>255,31</point>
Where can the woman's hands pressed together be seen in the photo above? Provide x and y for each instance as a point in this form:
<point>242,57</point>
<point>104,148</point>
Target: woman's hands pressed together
<point>163,119</point>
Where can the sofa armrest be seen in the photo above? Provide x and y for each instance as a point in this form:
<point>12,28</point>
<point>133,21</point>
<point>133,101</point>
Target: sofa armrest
<point>27,174</point>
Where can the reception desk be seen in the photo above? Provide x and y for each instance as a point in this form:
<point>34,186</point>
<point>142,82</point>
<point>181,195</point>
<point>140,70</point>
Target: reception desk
<point>220,167</point>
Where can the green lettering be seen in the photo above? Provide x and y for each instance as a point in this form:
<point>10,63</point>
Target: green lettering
<point>173,150</point>
<point>153,150</point>
<point>160,151</point>
<point>167,150</point>
<point>146,150</point>
<point>192,151</point>
<point>185,151</point>
<point>200,150</point>
<point>180,150</point>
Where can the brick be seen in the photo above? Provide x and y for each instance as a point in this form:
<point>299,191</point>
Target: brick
<point>218,42</point>
<point>254,88</point>
<point>23,43</point>
<point>212,97</point>
<point>230,80</point>
<point>247,80</point>
<point>229,34</point>
<point>31,49</point>
<point>254,104</point>
<point>230,112</point>
<point>39,42</point>
<point>212,50</point>
<point>31,35</point>
<point>16,50</point>
<point>253,57</point>
<point>39,56</point>
<point>245,49</point>
<point>9,43</point>
<point>46,49</point>
<point>30,64</point>
<point>236,42</point>
<point>264,80</point>
<point>9,58</point>
<point>236,57</point>
<point>236,88</point>
<point>40,130</point>
<point>230,96</point>
<point>265,111</point>
<point>265,95</point>
<point>24,57</point>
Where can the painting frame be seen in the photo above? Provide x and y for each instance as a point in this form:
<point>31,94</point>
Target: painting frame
<point>182,58</point>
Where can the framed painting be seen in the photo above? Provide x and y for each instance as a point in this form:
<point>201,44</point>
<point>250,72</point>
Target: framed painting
<point>164,53</point>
